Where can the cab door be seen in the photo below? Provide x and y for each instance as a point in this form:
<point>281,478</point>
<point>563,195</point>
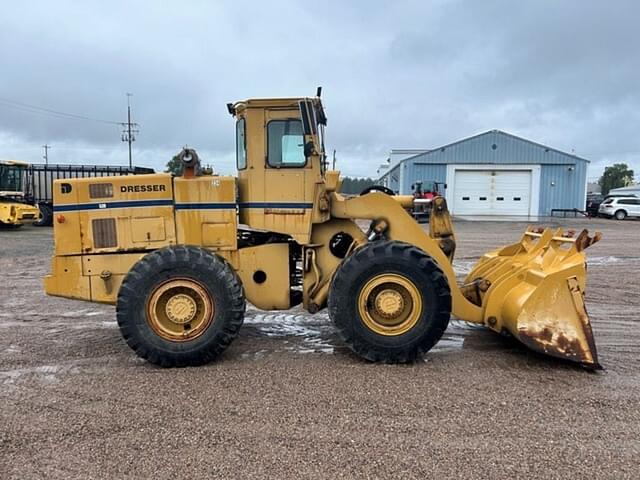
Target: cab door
<point>290,176</point>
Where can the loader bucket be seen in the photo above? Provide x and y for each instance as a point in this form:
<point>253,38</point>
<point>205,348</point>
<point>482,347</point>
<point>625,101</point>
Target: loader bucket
<point>534,289</point>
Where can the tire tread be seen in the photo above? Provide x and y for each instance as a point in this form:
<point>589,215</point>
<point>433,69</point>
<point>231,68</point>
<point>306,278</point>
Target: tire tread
<point>160,261</point>
<point>378,253</point>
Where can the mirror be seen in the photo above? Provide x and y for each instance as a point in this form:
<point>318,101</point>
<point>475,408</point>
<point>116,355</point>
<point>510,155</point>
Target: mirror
<point>309,149</point>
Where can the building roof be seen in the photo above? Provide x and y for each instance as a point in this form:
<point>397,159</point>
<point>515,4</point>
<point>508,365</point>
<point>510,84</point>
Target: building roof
<point>427,153</point>
<point>408,151</point>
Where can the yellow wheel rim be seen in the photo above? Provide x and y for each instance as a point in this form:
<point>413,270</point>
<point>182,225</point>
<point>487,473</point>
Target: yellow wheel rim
<point>180,309</point>
<point>390,304</point>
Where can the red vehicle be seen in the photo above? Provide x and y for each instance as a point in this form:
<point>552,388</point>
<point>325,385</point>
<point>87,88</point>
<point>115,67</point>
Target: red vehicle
<point>427,190</point>
<point>424,192</point>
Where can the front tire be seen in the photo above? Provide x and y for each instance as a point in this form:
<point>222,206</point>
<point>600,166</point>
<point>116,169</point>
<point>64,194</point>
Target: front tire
<point>390,302</point>
<point>180,306</point>
<point>45,218</point>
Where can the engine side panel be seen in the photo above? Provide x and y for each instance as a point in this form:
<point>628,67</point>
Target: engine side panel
<point>205,209</point>
<point>112,214</point>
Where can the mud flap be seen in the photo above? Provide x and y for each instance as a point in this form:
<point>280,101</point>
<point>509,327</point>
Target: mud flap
<point>534,290</point>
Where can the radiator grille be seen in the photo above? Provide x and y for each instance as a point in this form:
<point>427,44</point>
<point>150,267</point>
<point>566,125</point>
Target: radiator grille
<point>104,233</point>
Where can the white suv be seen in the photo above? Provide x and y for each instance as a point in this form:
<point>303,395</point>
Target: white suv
<point>620,208</point>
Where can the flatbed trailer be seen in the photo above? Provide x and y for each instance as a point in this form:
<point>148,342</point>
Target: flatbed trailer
<point>39,182</point>
<point>35,186</point>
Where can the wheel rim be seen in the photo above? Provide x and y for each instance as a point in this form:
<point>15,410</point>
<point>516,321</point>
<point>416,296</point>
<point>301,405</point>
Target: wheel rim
<point>390,304</point>
<point>41,217</point>
<point>180,310</point>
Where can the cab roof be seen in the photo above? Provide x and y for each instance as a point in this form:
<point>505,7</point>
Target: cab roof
<point>290,102</point>
<point>17,163</point>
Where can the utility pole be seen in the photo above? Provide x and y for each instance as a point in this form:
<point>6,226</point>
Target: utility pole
<point>129,129</point>
<point>334,161</point>
<point>46,153</point>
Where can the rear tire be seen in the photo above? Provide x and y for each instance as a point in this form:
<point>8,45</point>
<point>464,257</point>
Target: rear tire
<point>180,306</point>
<point>390,302</point>
<point>620,215</point>
<point>46,216</point>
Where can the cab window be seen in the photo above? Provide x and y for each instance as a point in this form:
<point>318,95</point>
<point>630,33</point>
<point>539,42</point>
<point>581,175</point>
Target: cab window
<point>285,143</point>
<point>241,145</point>
<point>10,178</point>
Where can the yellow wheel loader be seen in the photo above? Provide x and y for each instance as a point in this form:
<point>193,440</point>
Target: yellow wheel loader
<point>14,209</point>
<point>180,256</point>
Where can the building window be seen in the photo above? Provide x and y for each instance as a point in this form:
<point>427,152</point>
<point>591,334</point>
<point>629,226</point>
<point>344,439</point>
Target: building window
<point>285,143</point>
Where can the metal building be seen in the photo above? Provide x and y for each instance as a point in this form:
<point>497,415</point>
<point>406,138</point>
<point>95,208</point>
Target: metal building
<point>495,173</point>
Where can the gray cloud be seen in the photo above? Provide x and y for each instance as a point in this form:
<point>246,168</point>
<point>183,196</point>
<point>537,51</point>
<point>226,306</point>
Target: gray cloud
<point>401,74</point>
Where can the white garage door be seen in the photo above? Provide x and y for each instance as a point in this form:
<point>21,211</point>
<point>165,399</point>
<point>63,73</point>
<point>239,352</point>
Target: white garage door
<point>492,192</point>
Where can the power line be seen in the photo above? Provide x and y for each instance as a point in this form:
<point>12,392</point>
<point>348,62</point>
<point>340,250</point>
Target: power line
<point>25,107</point>
<point>130,129</point>
<point>37,112</point>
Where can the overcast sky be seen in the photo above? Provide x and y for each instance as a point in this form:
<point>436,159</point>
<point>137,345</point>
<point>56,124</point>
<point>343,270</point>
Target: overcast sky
<point>395,75</point>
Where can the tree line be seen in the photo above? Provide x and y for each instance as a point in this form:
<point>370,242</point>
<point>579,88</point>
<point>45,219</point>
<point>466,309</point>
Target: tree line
<point>615,176</point>
<point>354,185</point>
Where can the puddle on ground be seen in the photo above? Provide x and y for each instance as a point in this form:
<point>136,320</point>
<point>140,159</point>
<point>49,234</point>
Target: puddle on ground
<point>50,374</point>
<point>11,350</point>
<point>610,260</point>
<point>76,325</point>
<point>309,333</point>
<point>44,314</point>
<point>44,373</point>
<point>305,333</point>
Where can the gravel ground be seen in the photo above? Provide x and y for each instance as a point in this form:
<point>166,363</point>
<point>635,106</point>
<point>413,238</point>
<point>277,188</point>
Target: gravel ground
<point>287,401</point>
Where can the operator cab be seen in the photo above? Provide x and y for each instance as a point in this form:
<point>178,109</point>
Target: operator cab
<point>12,178</point>
<point>281,164</point>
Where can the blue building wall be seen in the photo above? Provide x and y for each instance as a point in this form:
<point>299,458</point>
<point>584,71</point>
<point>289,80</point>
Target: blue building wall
<point>414,171</point>
<point>562,175</point>
<point>561,187</point>
<point>392,178</point>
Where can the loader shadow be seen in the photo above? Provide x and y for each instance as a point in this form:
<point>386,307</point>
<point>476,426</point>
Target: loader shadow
<point>519,354</point>
<point>270,332</point>
<point>508,350</point>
